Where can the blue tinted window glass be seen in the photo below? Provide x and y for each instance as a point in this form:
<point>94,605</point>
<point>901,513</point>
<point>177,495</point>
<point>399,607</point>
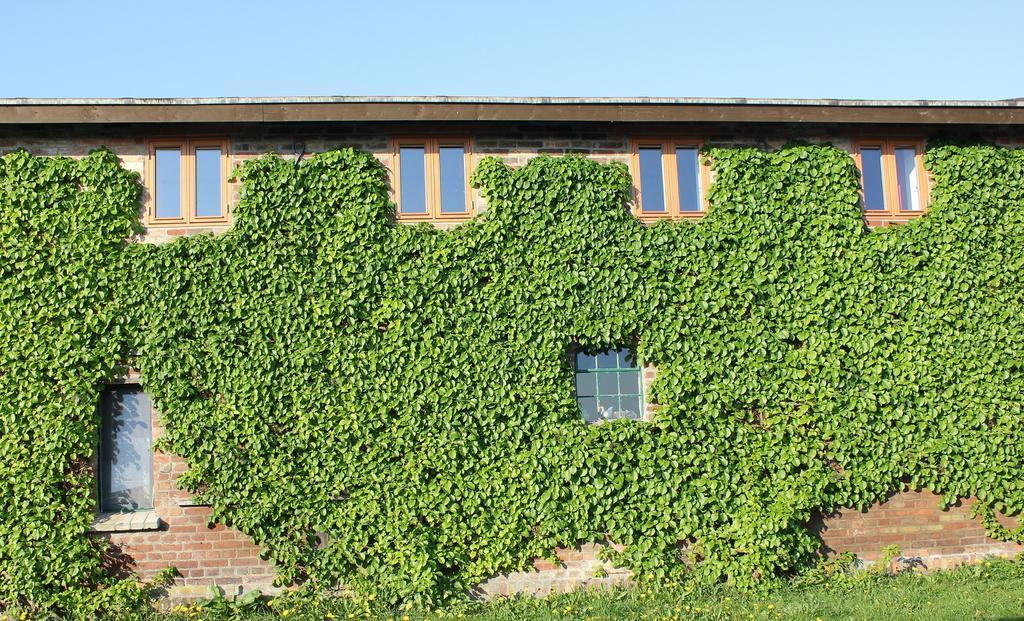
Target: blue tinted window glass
<point>168,183</point>
<point>208,183</point>
<point>126,457</point>
<point>688,170</point>
<point>652,184</point>
<point>412,168</point>
<point>588,405</point>
<point>585,361</point>
<point>607,360</point>
<point>608,407</point>
<point>874,191</point>
<point>586,384</point>
<point>907,179</point>
<point>629,407</point>
<point>629,383</point>
<point>453,180</point>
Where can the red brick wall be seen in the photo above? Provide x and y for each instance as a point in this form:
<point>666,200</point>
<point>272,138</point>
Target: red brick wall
<point>578,567</point>
<point>202,555</point>
<point>914,521</point>
<point>911,520</point>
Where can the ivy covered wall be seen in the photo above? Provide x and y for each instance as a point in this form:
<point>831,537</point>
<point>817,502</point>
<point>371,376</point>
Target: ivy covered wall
<point>65,303</point>
<point>392,407</point>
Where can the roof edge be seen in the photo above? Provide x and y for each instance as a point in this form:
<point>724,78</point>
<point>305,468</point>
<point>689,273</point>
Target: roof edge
<point>512,109</point>
<point>685,101</point>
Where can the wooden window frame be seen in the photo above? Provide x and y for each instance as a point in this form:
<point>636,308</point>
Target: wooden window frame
<point>188,147</point>
<point>670,178</point>
<point>432,171</point>
<point>893,211</point>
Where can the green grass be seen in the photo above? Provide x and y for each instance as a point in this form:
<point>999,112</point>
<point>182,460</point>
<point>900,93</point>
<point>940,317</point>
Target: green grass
<point>992,590</point>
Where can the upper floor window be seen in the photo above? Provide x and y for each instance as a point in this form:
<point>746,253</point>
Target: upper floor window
<point>187,181</point>
<point>893,180</point>
<point>125,456</point>
<point>669,178</point>
<point>431,178</point>
<point>608,385</point>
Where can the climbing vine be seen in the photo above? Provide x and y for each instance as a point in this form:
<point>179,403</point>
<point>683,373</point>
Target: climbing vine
<point>391,407</point>
<point>63,231</point>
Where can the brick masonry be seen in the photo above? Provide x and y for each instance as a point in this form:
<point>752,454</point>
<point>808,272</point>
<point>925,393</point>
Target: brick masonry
<point>914,521</point>
<point>514,143</point>
<point>219,555</point>
<point>204,556</point>
<point>577,568</point>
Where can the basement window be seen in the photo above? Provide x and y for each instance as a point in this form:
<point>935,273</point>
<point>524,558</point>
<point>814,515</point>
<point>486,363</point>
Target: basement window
<point>894,184</point>
<point>609,385</point>
<point>669,178</point>
<point>187,182</point>
<point>125,456</point>
<point>431,179</point>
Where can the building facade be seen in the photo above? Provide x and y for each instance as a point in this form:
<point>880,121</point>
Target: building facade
<point>184,150</point>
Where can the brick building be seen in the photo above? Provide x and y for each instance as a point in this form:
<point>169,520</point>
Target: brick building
<point>184,150</point>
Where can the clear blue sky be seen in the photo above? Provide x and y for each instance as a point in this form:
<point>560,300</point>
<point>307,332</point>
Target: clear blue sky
<point>891,49</point>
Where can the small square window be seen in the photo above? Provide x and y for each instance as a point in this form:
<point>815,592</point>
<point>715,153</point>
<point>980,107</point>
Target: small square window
<point>125,455</point>
<point>431,178</point>
<point>669,178</point>
<point>893,180</point>
<point>187,182</point>
<point>608,385</point>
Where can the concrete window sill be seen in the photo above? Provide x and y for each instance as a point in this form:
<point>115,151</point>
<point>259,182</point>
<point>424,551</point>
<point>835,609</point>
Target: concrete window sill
<point>121,522</point>
<point>191,502</point>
